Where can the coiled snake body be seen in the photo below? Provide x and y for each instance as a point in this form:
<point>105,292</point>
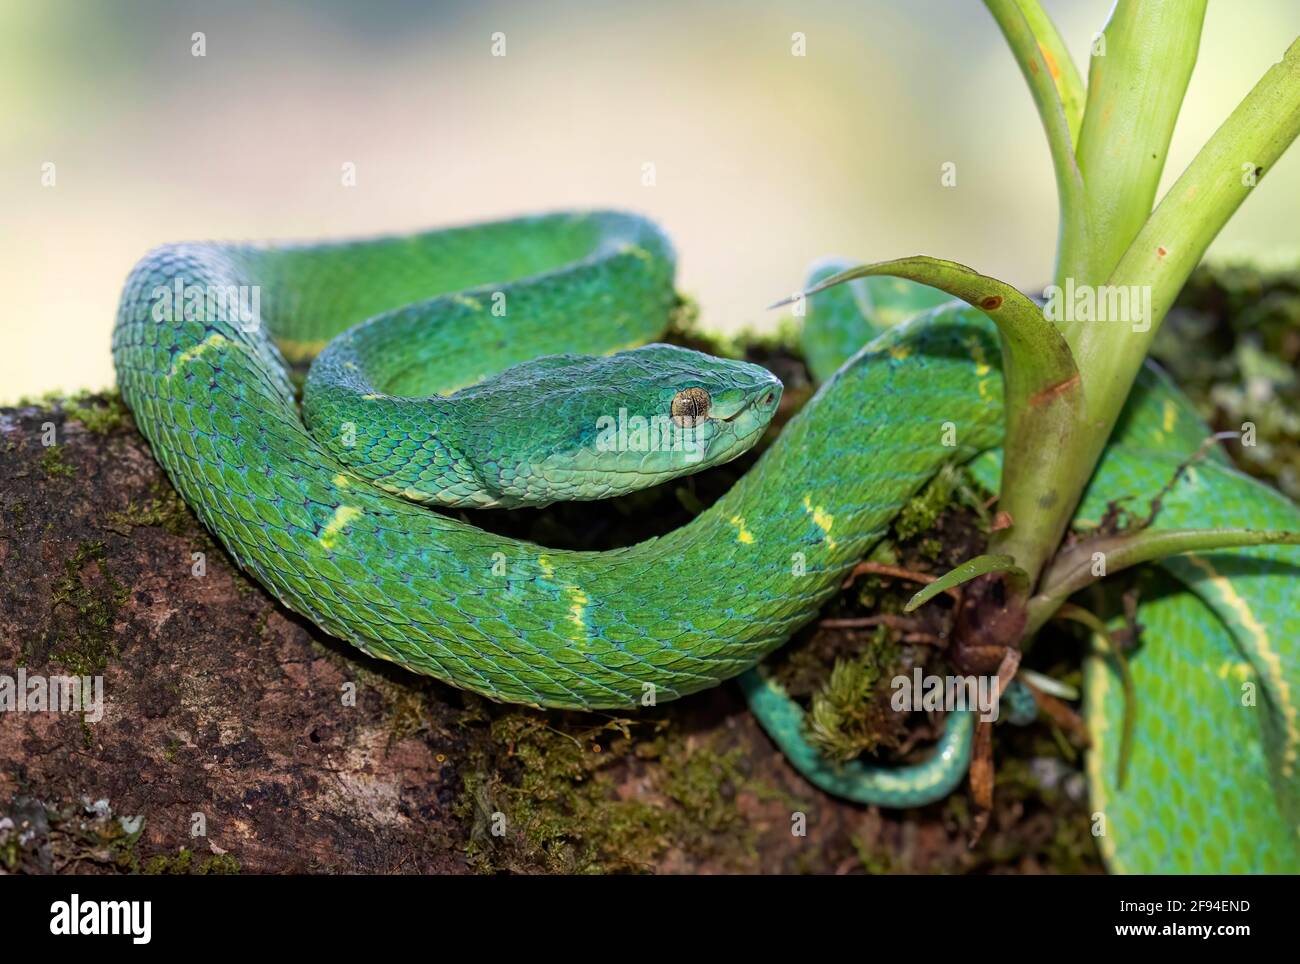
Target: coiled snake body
<point>337,521</point>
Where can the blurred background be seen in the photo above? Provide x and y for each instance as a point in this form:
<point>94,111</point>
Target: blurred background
<point>762,160</point>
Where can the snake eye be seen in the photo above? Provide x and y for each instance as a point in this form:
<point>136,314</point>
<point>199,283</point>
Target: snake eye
<point>690,407</point>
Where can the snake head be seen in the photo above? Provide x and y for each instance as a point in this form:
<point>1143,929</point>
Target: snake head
<point>581,427</point>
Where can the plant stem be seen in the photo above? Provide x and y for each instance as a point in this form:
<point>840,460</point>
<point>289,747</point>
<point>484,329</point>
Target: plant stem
<point>1136,81</point>
<point>1158,262</point>
<point>1116,653</point>
<point>1173,240</point>
<point>1137,78</point>
<point>1060,65</point>
<point>1029,50</point>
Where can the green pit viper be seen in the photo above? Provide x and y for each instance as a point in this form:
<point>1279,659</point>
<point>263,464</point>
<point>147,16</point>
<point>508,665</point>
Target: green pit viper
<point>484,366</point>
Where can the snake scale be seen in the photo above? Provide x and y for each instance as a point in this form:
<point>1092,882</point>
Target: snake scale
<point>473,367</point>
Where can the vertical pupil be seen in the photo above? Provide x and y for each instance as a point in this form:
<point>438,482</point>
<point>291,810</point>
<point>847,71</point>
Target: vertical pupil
<point>691,406</point>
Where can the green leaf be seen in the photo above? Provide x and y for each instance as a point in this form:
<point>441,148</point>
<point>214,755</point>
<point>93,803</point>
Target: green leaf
<point>1074,568</point>
<point>1043,396</point>
<point>967,571</point>
<point>1034,353</point>
<point>1116,653</point>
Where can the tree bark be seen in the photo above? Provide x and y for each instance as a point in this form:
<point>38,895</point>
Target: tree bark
<point>235,736</point>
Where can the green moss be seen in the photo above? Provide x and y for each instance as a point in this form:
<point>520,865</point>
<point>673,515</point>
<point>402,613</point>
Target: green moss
<point>546,811</point>
<point>89,643</point>
<point>121,842</point>
<point>1069,849</point>
<point>406,713</point>
<point>219,865</point>
<point>1232,343</point>
<point>183,863</point>
<point>557,792</point>
<point>850,714</point>
<point>684,318</point>
<point>100,413</point>
<point>164,509</point>
<point>702,782</point>
<point>10,852</point>
<point>85,833</point>
<point>684,329</point>
<point>54,465</point>
<point>875,861</point>
<point>244,585</point>
<point>50,399</point>
<point>178,863</point>
<point>923,511</point>
<point>931,548</point>
<point>785,336</point>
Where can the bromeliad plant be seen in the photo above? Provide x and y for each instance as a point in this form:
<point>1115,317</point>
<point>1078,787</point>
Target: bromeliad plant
<point>1066,381</point>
